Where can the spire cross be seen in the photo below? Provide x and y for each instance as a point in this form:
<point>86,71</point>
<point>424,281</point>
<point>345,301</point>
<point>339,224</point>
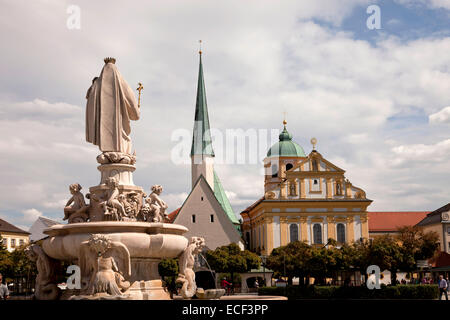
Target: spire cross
<point>200,45</point>
<point>139,88</point>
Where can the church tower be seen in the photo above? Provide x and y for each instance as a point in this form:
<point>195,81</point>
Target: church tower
<point>202,154</point>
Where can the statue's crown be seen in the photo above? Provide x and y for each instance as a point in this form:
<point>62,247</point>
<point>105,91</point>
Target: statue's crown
<point>109,59</point>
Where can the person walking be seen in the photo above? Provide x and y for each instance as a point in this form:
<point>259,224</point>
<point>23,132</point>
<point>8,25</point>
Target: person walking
<point>226,285</point>
<point>443,285</point>
<point>256,285</point>
<point>4,292</point>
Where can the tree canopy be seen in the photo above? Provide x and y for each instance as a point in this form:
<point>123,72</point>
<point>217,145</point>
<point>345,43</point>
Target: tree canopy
<point>231,259</point>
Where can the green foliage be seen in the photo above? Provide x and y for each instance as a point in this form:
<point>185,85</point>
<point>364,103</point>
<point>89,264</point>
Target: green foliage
<point>231,259</point>
<point>16,263</point>
<point>298,259</point>
<point>168,269</point>
<point>290,260</point>
<point>416,244</point>
<point>336,292</point>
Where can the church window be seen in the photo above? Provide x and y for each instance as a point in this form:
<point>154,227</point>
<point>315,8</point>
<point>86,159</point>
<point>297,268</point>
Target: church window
<point>211,217</point>
<point>193,218</point>
<point>340,233</point>
<point>289,166</point>
<point>317,233</point>
<point>315,181</point>
<point>202,198</point>
<point>293,232</point>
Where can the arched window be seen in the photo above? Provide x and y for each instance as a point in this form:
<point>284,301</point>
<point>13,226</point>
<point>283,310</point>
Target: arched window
<point>340,233</point>
<point>293,232</point>
<point>289,166</point>
<point>274,171</point>
<point>247,238</point>
<point>317,232</point>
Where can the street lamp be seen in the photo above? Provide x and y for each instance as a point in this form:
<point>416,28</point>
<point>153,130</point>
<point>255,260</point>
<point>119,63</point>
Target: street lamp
<point>264,259</point>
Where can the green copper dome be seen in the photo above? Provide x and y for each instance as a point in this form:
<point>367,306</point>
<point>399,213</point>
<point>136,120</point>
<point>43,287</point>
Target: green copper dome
<point>286,147</point>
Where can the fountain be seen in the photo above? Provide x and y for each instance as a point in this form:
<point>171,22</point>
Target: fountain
<point>120,236</point>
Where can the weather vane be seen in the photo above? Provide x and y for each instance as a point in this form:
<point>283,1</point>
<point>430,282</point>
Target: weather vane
<point>139,88</point>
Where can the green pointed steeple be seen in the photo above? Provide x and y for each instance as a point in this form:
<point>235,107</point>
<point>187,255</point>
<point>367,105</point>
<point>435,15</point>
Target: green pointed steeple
<point>201,139</point>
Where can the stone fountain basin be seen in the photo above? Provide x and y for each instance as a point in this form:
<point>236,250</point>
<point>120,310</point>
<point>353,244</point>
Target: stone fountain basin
<point>143,239</point>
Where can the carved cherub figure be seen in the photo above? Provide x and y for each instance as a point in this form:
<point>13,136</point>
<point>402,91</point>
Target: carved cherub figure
<point>186,263</point>
<point>76,209</point>
<point>112,206</point>
<point>99,257</point>
<point>156,209</point>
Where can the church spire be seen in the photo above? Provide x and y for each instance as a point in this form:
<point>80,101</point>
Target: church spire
<point>201,139</point>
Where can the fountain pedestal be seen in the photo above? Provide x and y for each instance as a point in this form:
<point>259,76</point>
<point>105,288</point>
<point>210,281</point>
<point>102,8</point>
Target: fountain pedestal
<point>145,245</point>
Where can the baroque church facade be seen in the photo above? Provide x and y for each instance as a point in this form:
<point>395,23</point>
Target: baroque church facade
<point>306,198</point>
<point>207,211</point>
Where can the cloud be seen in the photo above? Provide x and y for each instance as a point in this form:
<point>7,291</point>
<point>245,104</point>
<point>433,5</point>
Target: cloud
<point>420,152</point>
<point>442,116</point>
<point>30,215</point>
<point>292,57</point>
<point>433,4</point>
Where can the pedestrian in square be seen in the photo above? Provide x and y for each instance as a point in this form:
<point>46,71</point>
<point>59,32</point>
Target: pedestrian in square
<point>4,292</point>
<point>443,285</point>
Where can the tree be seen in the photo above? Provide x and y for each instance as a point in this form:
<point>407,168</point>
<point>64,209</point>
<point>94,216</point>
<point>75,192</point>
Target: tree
<point>321,264</point>
<point>416,245</point>
<point>168,270</point>
<point>386,253</point>
<point>290,261</point>
<point>231,259</point>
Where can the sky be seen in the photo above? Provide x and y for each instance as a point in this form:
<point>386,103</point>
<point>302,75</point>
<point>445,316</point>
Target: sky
<point>377,100</point>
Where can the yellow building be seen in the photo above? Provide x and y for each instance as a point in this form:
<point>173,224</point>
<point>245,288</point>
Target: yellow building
<point>306,198</point>
<point>12,237</point>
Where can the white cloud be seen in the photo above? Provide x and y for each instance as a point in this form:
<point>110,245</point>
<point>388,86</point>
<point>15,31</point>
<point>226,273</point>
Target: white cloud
<point>260,59</point>
<point>30,215</point>
<point>442,116</point>
<point>421,152</point>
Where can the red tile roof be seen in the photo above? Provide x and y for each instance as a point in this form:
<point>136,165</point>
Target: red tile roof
<point>391,221</point>
<point>173,215</point>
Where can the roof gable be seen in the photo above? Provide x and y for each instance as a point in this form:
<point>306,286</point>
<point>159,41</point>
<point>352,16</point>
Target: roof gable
<point>5,226</point>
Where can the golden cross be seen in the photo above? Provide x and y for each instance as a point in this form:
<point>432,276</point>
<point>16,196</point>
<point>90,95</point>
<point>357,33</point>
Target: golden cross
<point>139,88</point>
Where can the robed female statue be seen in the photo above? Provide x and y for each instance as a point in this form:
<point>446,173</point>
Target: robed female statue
<point>111,104</point>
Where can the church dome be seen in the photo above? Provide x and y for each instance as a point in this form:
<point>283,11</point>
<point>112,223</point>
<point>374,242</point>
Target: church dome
<point>286,147</point>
